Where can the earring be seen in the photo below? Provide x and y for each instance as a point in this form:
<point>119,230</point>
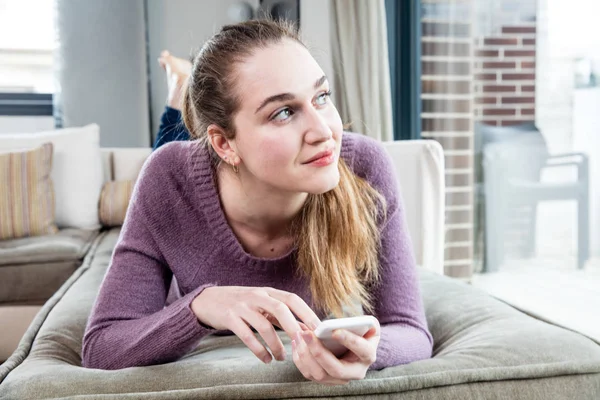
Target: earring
<point>236,169</point>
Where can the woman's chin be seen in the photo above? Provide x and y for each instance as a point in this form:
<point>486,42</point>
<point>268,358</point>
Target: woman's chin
<point>323,184</point>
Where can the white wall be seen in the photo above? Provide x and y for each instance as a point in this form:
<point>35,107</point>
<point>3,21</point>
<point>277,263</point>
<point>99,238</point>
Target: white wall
<point>315,24</point>
<point>25,124</point>
<point>101,62</point>
<point>566,30</point>
<point>182,27</point>
<point>554,80</point>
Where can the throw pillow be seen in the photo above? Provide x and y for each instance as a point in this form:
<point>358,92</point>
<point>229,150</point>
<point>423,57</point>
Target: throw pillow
<point>76,171</point>
<point>114,200</point>
<point>27,200</point>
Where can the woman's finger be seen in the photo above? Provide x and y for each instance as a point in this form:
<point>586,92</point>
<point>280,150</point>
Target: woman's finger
<point>299,361</point>
<point>297,306</point>
<point>241,330</point>
<point>365,348</point>
<point>267,332</point>
<point>274,321</point>
<point>307,353</point>
<point>264,303</point>
<point>328,361</point>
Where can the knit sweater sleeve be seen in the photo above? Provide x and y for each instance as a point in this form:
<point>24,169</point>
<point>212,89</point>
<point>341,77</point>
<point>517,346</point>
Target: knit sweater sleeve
<point>397,300</point>
<point>129,324</point>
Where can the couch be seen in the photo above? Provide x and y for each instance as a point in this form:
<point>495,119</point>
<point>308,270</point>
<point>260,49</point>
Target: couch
<point>484,349</point>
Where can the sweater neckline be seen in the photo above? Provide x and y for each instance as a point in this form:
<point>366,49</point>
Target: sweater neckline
<point>204,178</point>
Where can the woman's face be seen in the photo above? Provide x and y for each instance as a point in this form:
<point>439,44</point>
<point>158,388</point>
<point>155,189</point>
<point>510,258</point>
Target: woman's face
<point>286,119</point>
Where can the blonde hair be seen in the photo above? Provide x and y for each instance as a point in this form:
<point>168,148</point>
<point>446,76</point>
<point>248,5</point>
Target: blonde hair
<point>336,232</point>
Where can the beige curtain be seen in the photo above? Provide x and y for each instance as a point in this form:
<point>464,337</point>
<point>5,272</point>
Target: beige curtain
<point>360,60</point>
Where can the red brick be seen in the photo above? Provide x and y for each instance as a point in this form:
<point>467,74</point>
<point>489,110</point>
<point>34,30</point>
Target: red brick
<point>499,65</point>
<point>492,122</point>
<point>501,41</point>
<point>445,29</point>
<point>453,143</point>
<point>445,49</point>
<point>499,111</point>
<point>457,253</point>
<point>454,87</point>
<point>518,100</point>
<point>486,100</point>
<point>518,29</point>
<point>458,235</point>
<point>457,179</point>
<point>458,199</point>
<point>459,216</point>
<point>527,64</point>
<point>451,106</point>
<point>519,53</point>
<point>528,111</point>
<point>518,77</point>
<point>446,124</point>
<point>529,41</point>
<point>499,88</point>
<point>462,271</point>
<point>527,88</point>
<point>445,68</point>
<point>486,77</point>
<point>515,122</point>
<point>458,162</point>
<point>487,53</point>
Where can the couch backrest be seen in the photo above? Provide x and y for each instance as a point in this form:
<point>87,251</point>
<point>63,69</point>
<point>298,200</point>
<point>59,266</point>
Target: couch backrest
<point>420,170</point>
<point>121,164</point>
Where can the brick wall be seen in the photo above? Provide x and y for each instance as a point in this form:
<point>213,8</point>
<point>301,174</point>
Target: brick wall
<point>447,116</point>
<point>505,76</point>
<point>473,71</point>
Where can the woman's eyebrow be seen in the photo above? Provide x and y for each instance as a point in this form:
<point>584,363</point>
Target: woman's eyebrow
<point>287,96</point>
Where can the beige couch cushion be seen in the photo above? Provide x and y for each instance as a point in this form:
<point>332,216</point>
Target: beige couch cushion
<point>32,269</point>
<point>484,349</point>
<point>27,200</point>
<point>114,201</point>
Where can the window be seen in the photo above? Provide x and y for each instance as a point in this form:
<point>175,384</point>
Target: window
<point>27,43</point>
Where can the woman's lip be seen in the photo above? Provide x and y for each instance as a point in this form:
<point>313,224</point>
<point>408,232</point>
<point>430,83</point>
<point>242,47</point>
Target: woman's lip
<point>320,156</point>
<point>323,161</point>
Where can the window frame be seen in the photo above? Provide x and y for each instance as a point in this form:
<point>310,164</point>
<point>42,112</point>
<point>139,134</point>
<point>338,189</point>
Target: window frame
<point>404,48</point>
<point>26,104</point>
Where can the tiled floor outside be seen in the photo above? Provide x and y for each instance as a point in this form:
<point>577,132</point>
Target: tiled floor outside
<point>550,285</point>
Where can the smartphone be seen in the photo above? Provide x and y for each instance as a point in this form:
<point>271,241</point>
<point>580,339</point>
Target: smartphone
<point>357,325</point>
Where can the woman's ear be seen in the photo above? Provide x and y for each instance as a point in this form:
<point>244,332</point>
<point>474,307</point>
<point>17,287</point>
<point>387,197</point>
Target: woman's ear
<point>220,144</point>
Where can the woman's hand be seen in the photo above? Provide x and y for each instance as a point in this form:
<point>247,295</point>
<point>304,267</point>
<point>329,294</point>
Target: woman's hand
<point>318,364</point>
<point>240,308</point>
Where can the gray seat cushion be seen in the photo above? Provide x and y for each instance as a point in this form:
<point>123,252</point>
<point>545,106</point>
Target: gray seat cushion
<point>33,268</point>
<point>483,349</point>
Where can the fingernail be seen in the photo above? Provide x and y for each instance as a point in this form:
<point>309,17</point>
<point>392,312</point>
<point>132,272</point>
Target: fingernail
<point>339,334</point>
<point>313,326</point>
<point>267,359</point>
<point>307,337</point>
<point>298,337</point>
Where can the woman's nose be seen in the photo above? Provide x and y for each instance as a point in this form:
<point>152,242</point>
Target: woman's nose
<point>317,127</point>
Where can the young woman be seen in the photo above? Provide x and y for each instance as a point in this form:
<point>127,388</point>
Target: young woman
<point>270,216</point>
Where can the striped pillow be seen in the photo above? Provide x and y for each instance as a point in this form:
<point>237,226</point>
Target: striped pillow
<point>114,200</point>
<point>26,193</point>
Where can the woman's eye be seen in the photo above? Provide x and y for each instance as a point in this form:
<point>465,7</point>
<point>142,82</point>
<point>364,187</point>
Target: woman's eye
<point>282,115</point>
<point>322,99</point>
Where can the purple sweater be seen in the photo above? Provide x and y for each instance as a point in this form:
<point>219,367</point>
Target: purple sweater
<point>175,228</point>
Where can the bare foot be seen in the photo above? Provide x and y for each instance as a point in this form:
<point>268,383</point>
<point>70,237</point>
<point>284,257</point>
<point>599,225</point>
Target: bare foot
<point>178,70</point>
